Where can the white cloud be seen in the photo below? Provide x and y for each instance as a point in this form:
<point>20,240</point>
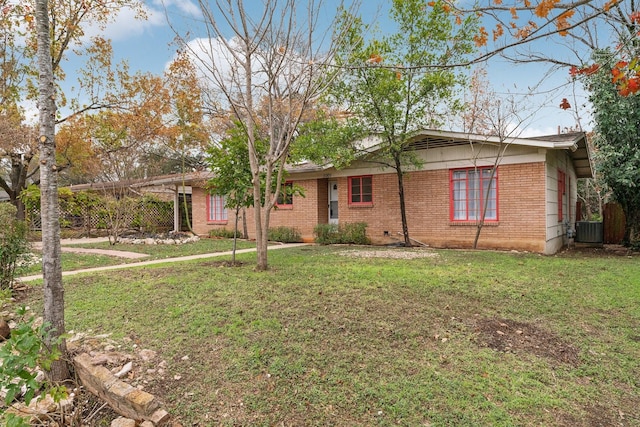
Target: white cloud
<point>31,112</point>
<point>125,25</point>
<point>531,131</point>
<point>186,7</point>
<point>221,72</point>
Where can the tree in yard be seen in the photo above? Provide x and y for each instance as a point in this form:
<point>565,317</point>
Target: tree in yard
<point>156,127</point>
<point>617,141</point>
<point>51,40</point>
<point>398,84</point>
<point>229,162</point>
<point>51,267</point>
<point>278,58</point>
<point>18,76</point>
<point>498,121</point>
<point>18,145</point>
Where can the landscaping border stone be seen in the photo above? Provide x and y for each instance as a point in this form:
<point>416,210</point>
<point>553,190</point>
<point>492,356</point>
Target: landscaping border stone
<point>123,398</point>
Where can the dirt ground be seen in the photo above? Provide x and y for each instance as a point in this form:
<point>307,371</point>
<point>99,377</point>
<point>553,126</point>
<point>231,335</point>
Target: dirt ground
<point>510,336</point>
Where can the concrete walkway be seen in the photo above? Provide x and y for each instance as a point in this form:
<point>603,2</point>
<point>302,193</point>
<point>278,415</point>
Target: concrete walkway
<point>161,261</point>
<point>108,252</point>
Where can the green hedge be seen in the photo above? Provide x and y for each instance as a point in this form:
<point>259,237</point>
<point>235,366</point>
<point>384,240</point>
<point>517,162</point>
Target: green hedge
<point>222,233</point>
<point>284,235</point>
<point>350,233</point>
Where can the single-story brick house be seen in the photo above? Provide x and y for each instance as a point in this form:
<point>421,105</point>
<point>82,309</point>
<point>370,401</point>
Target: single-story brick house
<point>532,205</point>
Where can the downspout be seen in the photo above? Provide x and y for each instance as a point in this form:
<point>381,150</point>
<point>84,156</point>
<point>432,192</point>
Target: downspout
<point>176,210</point>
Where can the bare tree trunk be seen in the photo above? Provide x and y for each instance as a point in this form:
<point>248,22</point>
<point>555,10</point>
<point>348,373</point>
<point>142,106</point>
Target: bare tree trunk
<point>51,268</point>
<point>403,207</point>
<point>18,175</point>
<point>245,230</point>
<point>235,237</point>
<point>262,245</point>
<point>282,52</point>
<point>586,200</point>
<point>485,200</point>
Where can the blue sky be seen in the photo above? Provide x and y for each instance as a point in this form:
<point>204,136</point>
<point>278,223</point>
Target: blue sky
<point>146,46</point>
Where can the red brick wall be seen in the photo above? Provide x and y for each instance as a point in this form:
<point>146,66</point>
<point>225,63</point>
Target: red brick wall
<point>521,204</point>
<point>199,211</point>
<point>304,214</point>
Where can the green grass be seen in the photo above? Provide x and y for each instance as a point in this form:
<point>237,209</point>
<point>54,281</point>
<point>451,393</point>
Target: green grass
<point>74,261</point>
<point>202,246</point>
<point>325,339</point>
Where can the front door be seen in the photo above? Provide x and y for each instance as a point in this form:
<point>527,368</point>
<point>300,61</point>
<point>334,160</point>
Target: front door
<point>333,202</point>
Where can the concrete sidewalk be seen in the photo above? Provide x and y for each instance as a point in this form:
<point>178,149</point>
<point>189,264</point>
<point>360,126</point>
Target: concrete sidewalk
<point>108,252</point>
<point>160,261</point>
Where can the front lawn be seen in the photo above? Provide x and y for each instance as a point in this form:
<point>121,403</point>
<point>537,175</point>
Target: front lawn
<point>77,261</point>
<point>329,337</point>
<point>202,246</point>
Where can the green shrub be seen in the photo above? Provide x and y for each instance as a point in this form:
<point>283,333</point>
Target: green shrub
<point>13,243</point>
<point>349,233</point>
<point>23,352</point>
<point>284,235</point>
<point>355,233</point>
<point>326,234</point>
<point>221,233</point>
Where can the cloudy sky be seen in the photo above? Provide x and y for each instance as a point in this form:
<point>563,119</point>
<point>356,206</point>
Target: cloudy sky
<point>147,46</point>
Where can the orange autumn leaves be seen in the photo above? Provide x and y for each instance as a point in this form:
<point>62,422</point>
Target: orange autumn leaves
<point>625,74</point>
<point>626,78</point>
<point>542,13</point>
<point>541,10</point>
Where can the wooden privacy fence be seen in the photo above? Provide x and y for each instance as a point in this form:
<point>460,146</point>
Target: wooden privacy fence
<point>609,231</point>
<point>614,223</point>
<point>140,214</point>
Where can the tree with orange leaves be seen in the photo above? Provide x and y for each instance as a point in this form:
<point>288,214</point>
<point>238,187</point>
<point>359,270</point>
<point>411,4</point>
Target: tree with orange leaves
<point>617,140</point>
<point>157,127</point>
<point>18,76</point>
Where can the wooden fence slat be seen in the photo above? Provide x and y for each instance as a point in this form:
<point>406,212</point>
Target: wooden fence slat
<point>614,223</point>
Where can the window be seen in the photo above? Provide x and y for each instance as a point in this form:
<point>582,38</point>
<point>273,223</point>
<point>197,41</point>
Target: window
<point>562,191</point>
<point>216,210</point>
<point>285,198</point>
<point>360,190</point>
<point>469,189</point>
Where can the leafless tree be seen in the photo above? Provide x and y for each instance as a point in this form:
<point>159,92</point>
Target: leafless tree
<point>500,120</point>
<point>269,63</point>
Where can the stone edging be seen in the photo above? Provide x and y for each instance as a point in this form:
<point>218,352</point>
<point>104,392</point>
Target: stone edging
<point>123,398</point>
